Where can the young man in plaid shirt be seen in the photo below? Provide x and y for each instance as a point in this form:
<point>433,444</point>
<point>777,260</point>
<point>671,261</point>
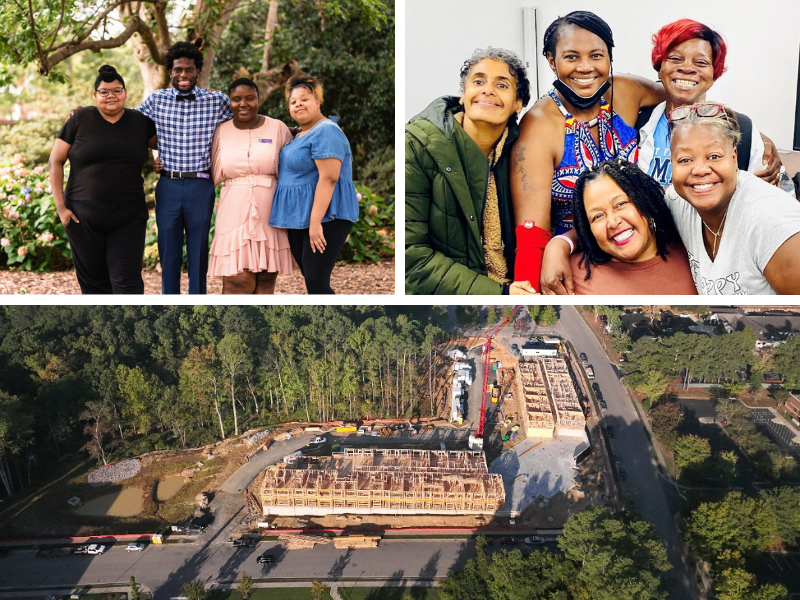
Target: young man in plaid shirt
<point>185,117</point>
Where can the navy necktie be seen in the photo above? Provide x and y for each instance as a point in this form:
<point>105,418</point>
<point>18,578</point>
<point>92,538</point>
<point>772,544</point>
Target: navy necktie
<point>187,97</point>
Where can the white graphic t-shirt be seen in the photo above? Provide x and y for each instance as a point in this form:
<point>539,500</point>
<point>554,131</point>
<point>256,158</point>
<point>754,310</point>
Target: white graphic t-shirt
<point>761,217</point>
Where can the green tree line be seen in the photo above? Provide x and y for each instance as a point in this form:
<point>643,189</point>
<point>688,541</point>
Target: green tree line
<point>117,380</point>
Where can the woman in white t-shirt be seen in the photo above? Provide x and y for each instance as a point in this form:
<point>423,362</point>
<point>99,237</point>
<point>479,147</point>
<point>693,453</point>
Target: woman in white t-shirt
<point>741,233</point>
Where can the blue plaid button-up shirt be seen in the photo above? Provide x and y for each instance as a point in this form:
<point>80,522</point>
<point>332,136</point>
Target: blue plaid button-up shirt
<point>185,128</point>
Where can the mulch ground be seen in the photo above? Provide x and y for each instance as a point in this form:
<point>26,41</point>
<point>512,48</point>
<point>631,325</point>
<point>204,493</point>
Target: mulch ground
<point>346,279</point>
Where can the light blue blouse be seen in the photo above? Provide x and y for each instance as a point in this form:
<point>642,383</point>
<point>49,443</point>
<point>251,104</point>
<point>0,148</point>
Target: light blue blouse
<point>298,177</point>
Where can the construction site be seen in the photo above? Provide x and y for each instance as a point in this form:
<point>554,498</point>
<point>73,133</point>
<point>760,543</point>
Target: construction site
<point>383,481</point>
<point>521,402</point>
<point>551,403</point>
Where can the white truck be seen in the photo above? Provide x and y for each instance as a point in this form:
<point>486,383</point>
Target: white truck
<point>590,372</point>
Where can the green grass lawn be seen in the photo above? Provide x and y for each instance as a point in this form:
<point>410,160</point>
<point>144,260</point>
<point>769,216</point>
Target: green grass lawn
<point>294,593</point>
<point>388,593</point>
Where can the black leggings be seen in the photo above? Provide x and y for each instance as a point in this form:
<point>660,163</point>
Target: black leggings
<point>317,267</point>
<point>107,247</point>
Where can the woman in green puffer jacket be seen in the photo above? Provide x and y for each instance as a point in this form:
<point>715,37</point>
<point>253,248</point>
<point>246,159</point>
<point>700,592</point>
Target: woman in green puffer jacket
<point>459,220</point>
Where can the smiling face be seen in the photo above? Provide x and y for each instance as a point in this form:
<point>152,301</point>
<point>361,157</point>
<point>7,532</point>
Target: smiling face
<point>581,60</point>
<point>303,106</point>
<point>617,225</point>
<point>244,104</point>
<point>113,103</point>
<point>183,74</point>
<point>687,72</point>
<point>704,170</point>
<point>490,93</point>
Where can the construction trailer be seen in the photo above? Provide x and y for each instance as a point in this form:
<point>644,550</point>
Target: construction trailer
<point>383,481</point>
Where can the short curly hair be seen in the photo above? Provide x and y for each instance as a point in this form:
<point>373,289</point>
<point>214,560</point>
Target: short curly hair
<point>184,50</point>
<point>307,82</point>
<point>515,67</point>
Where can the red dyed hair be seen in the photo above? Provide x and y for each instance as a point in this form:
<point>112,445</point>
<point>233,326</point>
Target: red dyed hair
<point>680,31</point>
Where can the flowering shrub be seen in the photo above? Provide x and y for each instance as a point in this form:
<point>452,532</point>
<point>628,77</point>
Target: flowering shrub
<point>31,235</point>
<point>371,236</point>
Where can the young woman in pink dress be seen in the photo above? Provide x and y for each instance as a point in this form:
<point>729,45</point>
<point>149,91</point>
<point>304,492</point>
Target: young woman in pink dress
<point>246,252</point>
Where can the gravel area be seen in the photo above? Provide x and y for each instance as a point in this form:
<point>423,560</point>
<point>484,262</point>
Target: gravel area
<point>124,469</point>
<point>356,278</point>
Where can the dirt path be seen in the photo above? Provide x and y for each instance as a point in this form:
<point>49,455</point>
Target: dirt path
<point>347,279</point>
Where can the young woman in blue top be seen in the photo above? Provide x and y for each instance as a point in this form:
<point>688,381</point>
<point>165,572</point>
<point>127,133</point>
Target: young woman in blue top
<point>315,199</point>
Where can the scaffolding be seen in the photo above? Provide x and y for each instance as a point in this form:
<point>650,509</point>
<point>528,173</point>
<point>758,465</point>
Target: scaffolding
<point>383,481</point>
<point>551,403</point>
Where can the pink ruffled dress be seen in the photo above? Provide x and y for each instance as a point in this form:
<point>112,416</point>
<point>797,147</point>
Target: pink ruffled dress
<point>246,160</point>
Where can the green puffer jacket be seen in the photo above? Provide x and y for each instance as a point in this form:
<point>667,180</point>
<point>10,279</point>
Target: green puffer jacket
<point>447,176</point>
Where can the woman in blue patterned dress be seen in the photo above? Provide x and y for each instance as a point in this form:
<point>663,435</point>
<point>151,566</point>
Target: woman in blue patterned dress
<point>585,120</point>
<point>315,200</point>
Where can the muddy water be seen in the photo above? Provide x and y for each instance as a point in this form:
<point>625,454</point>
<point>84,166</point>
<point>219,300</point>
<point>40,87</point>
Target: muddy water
<point>122,503</point>
<point>167,488</point>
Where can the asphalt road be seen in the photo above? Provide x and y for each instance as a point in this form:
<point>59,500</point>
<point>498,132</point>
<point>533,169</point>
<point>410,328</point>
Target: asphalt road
<point>654,499</point>
<point>164,569</point>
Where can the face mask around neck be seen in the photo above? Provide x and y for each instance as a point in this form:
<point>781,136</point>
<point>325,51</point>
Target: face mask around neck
<point>580,102</point>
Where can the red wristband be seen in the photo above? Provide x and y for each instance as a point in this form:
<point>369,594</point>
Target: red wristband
<point>530,251</point>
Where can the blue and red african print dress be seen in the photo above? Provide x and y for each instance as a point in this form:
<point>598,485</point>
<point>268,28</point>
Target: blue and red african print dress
<point>617,140</point>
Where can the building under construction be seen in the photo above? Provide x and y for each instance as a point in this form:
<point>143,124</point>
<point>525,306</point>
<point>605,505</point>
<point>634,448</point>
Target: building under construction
<point>551,403</point>
<point>383,481</point>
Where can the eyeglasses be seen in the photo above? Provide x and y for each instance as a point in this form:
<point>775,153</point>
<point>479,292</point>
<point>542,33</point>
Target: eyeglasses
<point>189,71</point>
<point>707,110</point>
<point>117,91</point>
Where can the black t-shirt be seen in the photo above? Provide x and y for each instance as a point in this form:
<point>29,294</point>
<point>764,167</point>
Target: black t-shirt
<point>106,159</point>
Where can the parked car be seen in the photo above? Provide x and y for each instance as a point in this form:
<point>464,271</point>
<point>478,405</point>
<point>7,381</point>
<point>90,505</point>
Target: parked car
<point>623,474</point>
<point>508,541</point>
<point>534,539</point>
<point>595,386</point>
<point>244,543</point>
<point>134,547</point>
<point>603,405</point>
<point>584,359</point>
<point>265,559</point>
<point>96,549</point>
<point>80,550</point>
<point>320,439</point>
<point>599,394</point>
<point>610,431</point>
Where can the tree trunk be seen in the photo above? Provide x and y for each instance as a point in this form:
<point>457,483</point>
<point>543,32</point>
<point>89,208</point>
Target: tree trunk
<point>233,403</point>
<point>149,47</point>
<point>216,407</point>
<point>283,392</point>
<point>206,32</point>
<point>4,476</point>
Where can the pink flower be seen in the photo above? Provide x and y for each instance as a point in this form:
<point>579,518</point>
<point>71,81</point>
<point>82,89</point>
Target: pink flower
<point>13,215</point>
<point>358,195</point>
<point>5,170</point>
<point>5,242</point>
<point>38,170</point>
<point>24,172</point>
<point>48,190</point>
<point>9,187</point>
<point>18,159</point>
<point>47,236</point>
<point>22,250</point>
<point>3,196</point>
<point>27,197</point>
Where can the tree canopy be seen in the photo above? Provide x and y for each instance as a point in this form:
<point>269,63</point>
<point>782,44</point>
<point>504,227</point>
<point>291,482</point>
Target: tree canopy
<point>121,381</point>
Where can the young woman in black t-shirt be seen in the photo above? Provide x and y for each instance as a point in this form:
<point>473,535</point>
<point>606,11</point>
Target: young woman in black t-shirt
<point>103,208</point>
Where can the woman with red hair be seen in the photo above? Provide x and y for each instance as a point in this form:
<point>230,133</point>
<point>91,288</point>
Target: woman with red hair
<point>689,58</point>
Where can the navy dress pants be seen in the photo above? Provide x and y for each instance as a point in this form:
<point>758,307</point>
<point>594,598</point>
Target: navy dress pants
<point>183,205</point>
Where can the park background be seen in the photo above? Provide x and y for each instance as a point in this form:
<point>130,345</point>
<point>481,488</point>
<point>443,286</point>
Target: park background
<point>763,49</point>
<point>48,66</point>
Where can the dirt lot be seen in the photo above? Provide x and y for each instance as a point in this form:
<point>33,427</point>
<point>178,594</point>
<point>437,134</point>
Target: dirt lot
<point>45,512</point>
